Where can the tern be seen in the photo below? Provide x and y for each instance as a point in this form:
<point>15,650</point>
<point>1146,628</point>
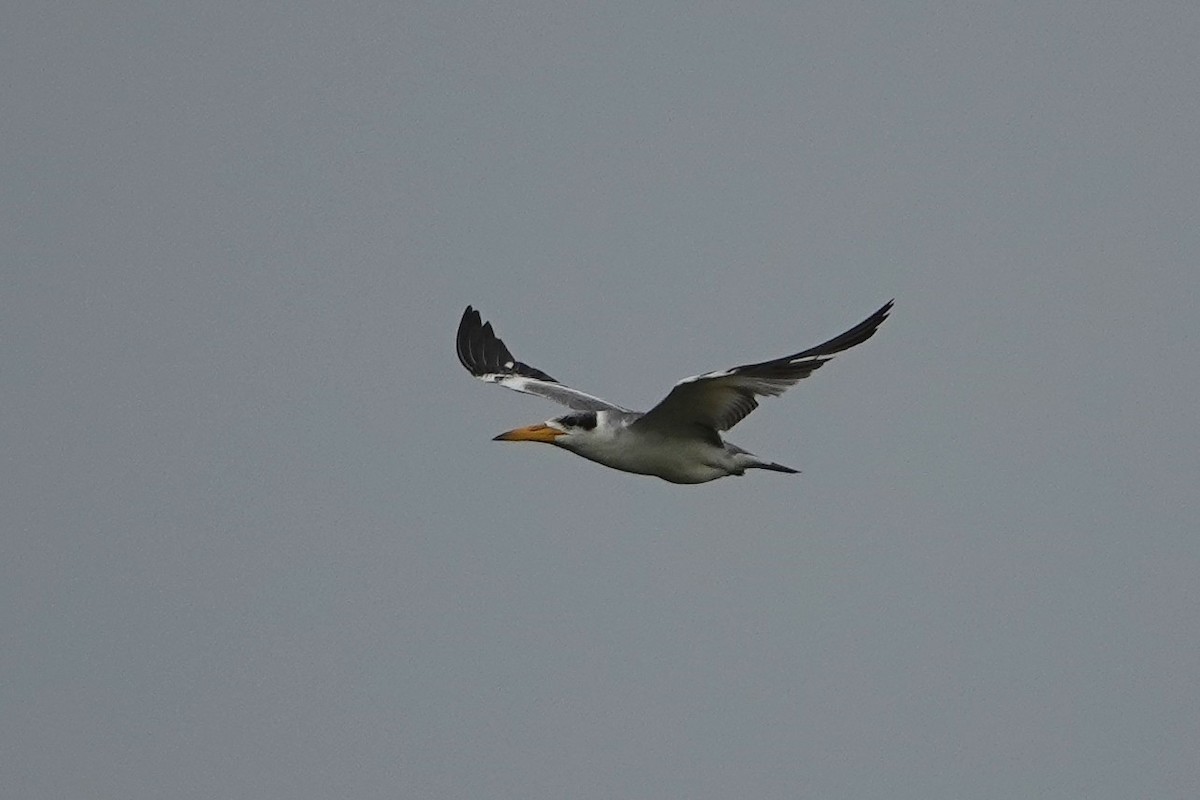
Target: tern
<point>679,440</point>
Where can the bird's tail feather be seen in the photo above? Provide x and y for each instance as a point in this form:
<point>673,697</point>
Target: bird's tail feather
<point>747,460</point>
<point>771,465</point>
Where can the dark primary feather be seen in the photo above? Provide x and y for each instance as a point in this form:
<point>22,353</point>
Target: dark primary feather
<point>719,400</point>
<point>856,335</point>
<point>483,353</point>
<point>486,357</point>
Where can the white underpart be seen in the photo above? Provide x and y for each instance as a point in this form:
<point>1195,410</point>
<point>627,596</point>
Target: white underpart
<point>672,458</point>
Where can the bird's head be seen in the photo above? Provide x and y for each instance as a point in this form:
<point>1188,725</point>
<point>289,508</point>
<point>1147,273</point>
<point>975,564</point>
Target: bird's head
<point>558,431</point>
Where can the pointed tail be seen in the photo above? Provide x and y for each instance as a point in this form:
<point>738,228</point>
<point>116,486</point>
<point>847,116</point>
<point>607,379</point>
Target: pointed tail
<point>773,467</point>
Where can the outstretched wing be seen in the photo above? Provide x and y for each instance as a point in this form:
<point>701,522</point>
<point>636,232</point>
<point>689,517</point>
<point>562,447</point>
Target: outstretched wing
<point>486,357</point>
<point>720,400</point>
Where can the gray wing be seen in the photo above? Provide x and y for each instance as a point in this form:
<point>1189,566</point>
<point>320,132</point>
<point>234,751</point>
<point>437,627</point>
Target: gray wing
<point>486,357</point>
<point>719,400</point>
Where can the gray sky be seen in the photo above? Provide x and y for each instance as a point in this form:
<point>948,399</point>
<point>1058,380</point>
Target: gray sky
<point>258,543</point>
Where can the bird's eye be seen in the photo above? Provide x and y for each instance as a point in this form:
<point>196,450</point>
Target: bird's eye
<point>585,421</point>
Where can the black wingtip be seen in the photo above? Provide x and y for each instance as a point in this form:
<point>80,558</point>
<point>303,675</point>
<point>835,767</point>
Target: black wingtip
<point>855,336</point>
<point>883,312</point>
<point>468,327</point>
<point>482,352</point>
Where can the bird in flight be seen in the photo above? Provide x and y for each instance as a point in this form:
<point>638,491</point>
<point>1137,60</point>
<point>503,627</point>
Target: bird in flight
<point>679,440</point>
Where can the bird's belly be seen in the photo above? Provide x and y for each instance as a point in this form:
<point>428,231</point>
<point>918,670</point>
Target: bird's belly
<point>677,461</point>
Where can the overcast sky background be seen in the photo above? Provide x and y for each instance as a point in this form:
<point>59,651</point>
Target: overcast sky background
<point>258,543</point>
